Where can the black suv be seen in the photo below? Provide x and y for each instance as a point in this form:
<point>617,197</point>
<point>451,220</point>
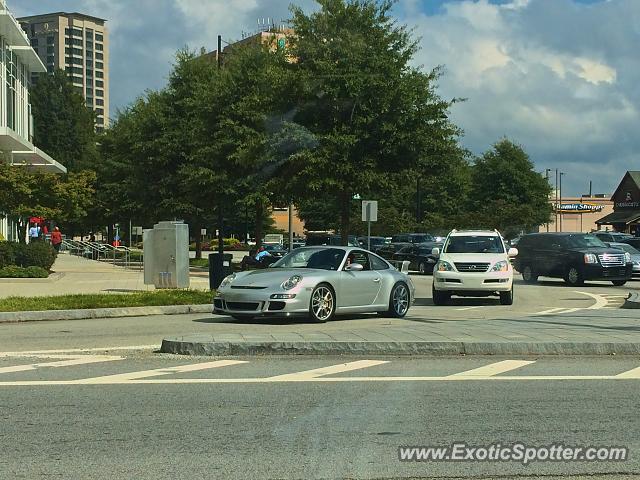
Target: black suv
<point>412,238</point>
<point>575,257</point>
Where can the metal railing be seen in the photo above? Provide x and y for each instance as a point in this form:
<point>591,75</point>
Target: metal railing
<point>102,252</point>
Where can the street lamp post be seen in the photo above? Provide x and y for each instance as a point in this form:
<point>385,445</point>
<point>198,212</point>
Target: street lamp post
<point>547,170</point>
<point>560,205</point>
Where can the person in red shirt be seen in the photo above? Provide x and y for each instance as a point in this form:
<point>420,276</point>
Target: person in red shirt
<point>56,239</point>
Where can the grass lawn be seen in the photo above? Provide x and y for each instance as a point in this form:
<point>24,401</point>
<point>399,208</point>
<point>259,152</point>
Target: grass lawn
<point>199,262</point>
<point>106,300</point>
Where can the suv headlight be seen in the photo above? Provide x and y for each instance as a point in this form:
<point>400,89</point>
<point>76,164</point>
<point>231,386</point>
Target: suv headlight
<point>443,266</point>
<point>227,280</point>
<point>501,266</point>
<point>291,282</point>
<point>590,258</point>
<point>627,257</point>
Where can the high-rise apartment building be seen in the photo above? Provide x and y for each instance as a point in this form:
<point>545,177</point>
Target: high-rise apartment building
<point>79,45</point>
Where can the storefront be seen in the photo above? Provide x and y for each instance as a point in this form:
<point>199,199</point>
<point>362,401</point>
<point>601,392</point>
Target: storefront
<point>578,214</point>
<point>626,206</point>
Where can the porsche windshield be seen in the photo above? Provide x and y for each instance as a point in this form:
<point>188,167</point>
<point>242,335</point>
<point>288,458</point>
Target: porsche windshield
<point>320,258</point>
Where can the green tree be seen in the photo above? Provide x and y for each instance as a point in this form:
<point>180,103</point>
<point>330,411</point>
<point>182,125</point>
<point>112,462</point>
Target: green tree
<point>507,193</point>
<point>63,124</point>
<point>373,114</point>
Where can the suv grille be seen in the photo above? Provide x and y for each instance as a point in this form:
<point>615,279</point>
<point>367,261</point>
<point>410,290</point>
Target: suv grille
<point>472,267</point>
<point>612,260</point>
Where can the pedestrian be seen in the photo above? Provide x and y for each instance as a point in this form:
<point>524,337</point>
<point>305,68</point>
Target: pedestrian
<point>34,232</point>
<point>56,239</point>
<point>262,253</point>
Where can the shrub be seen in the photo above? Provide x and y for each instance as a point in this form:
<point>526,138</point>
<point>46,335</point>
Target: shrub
<point>13,271</point>
<point>35,254</point>
<point>7,254</point>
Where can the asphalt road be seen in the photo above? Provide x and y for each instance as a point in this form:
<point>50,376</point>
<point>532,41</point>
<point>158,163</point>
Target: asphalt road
<point>307,425</point>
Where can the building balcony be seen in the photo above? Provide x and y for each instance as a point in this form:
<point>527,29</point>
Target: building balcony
<point>11,29</point>
<point>30,58</point>
<point>38,159</point>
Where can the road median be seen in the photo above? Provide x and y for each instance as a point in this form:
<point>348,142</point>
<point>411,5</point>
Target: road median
<point>203,344</point>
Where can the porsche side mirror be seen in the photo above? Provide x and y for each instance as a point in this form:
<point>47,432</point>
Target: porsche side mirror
<point>354,267</point>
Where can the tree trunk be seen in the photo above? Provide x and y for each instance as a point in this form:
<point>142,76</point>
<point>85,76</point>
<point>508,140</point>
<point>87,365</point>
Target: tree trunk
<point>259,222</point>
<point>198,236</point>
<point>345,207</point>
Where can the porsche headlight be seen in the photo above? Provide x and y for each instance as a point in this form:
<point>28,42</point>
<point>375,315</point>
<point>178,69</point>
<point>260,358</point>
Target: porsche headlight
<point>501,266</point>
<point>227,280</point>
<point>291,282</point>
<point>443,266</point>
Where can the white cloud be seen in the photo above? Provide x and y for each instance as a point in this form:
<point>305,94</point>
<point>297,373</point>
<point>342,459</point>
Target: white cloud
<point>554,75</point>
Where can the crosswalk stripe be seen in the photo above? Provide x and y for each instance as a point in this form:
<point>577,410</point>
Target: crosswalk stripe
<point>556,311</point>
<point>633,373</point>
<point>79,360</point>
<point>76,350</point>
<point>124,377</point>
<point>494,368</point>
<point>319,372</point>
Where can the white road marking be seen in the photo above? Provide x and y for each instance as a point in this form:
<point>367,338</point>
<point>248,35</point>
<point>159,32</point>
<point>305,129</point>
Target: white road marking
<point>191,381</point>
<point>600,300</point>
<point>550,311</point>
<point>125,377</point>
<point>318,372</point>
<point>76,360</point>
<point>494,368</point>
<point>467,308</point>
<point>79,350</point>
<point>633,373</point>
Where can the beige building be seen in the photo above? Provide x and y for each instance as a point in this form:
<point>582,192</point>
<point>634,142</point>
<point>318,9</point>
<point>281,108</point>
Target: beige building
<point>579,214</point>
<point>79,45</point>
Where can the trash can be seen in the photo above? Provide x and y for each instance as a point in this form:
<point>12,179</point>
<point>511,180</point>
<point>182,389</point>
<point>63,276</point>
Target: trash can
<point>219,267</point>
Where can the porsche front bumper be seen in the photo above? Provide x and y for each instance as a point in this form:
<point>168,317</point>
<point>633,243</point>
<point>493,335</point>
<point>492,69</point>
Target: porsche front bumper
<point>261,303</point>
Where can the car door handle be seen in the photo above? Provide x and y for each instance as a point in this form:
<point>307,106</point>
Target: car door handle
<point>376,279</point>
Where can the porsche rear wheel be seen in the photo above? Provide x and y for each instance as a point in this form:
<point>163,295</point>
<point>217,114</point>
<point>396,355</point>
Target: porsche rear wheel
<point>399,301</point>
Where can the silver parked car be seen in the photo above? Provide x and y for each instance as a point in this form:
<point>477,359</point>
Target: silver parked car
<point>635,256</point>
<point>318,282</point>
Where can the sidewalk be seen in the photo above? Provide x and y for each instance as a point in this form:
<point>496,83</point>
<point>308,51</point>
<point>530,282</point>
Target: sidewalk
<point>79,275</point>
<point>589,332</point>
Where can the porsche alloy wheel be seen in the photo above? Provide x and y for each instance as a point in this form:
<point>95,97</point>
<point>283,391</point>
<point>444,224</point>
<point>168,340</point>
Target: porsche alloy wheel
<point>323,303</point>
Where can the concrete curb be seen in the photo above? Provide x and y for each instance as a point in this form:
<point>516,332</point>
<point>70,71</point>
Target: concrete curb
<point>54,277</point>
<point>199,345</point>
<point>16,317</point>
<point>632,301</point>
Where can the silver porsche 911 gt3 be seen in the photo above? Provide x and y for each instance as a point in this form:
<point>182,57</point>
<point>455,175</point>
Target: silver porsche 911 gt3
<point>319,282</point>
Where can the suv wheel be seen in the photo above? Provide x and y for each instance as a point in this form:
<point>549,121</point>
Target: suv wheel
<point>440,297</point>
<point>528,275</point>
<point>574,277</point>
<point>618,283</point>
<point>506,298</point>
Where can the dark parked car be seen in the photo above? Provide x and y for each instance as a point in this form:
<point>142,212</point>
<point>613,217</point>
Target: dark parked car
<point>314,239</point>
<point>633,241</point>
<point>419,256</point>
<point>575,257</point>
<point>412,238</point>
<point>376,242</point>
<point>387,251</point>
<point>275,250</point>
<point>615,237</point>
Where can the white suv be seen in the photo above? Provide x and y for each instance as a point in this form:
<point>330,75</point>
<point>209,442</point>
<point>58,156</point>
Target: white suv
<point>473,264</point>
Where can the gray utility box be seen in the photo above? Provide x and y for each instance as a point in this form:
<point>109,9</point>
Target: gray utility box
<point>166,255</point>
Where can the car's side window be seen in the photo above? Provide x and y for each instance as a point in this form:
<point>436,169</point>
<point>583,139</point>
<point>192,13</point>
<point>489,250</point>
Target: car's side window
<point>377,263</point>
<point>360,257</point>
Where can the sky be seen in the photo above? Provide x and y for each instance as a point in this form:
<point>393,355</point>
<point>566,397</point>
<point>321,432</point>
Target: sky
<point>559,77</point>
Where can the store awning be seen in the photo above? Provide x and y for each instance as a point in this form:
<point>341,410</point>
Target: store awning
<point>619,217</point>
